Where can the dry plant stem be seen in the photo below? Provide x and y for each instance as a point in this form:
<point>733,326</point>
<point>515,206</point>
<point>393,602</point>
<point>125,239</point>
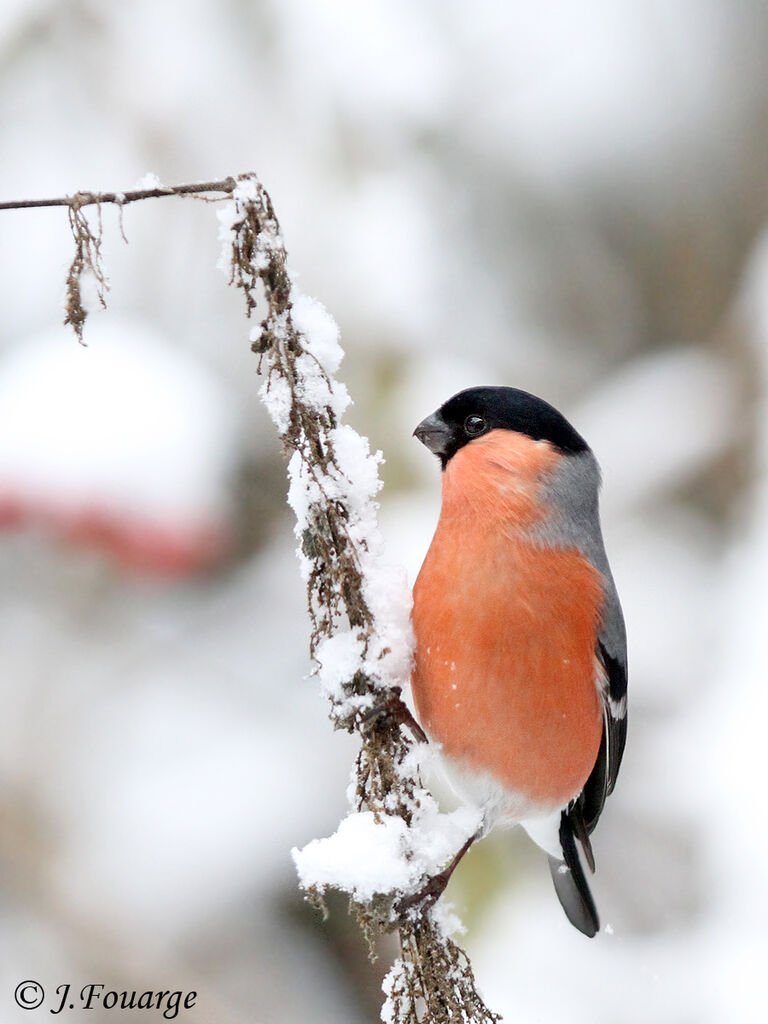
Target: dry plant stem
<point>226,185</point>
<point>436,983</point>
<point>87,257</point>
<point>446,984</point>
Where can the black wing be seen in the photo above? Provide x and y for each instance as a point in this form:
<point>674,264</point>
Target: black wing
<point>600,783</point>
<point>578,820</point>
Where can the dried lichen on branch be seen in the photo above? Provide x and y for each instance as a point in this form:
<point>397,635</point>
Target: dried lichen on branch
<point>87,263</point>
<point>361,641</point>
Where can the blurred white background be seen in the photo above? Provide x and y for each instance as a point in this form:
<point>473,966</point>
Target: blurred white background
<point>564,197</point>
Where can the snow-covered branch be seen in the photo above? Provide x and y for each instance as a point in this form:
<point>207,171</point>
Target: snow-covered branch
<point>394,837</point>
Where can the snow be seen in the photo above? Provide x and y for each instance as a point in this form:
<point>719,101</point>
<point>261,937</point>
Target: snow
<point>148,181</point>
<point>446,920</point>
<point>276,395</point>
<point>380,853</point>
<point>372,854</point>
<point>394,984</point>
<point>229,216</point>
<point>364,856</point>
<point>388,595</point>
<point>314,388</point>
<point>319,329</point>
<point>339,657</point>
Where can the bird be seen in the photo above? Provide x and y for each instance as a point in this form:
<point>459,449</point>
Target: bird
<point>520,667</point>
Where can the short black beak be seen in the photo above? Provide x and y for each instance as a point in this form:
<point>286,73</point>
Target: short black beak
<point>435,434</point>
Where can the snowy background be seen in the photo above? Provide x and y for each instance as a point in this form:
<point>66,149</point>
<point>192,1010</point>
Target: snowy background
<point>566,197</point>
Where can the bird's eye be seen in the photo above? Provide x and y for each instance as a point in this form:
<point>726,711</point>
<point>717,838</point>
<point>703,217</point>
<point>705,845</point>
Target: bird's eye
<point>474,425</point>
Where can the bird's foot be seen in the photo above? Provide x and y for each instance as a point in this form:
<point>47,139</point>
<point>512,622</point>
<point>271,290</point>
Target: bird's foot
<point>435,886</point>
<point>396,710</point>
<point>427,896</point>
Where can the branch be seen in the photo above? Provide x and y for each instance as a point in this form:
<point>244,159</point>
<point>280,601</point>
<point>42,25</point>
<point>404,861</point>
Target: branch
<point>121,198</point>
<point>87,265</point>
<point>361,639</point>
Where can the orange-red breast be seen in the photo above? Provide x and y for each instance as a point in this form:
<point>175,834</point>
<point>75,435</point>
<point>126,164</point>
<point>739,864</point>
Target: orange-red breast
<point>520,671</point>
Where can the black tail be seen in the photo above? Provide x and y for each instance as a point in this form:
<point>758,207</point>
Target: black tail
<point>570,882</point>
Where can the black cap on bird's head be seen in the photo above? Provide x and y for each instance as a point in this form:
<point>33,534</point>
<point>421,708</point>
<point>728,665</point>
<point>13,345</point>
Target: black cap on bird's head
<point>477,411</point>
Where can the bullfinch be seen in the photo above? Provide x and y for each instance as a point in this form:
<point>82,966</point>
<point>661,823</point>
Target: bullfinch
<point>520,671</point>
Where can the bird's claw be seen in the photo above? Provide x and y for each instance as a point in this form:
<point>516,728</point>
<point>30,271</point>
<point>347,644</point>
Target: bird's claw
<point>435,886</point>
<point>426,897</point>
<point>397,711</point>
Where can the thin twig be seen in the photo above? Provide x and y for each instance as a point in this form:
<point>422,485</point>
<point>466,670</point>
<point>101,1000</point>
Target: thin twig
<point>226,185</point>
<point>87,258</point>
